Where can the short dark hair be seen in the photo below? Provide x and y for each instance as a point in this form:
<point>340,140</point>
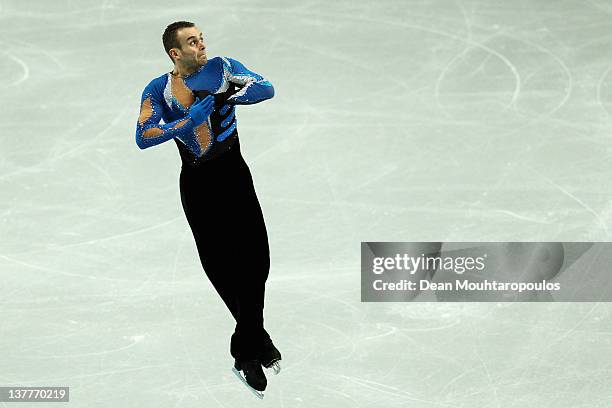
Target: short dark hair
<point>169,37</point>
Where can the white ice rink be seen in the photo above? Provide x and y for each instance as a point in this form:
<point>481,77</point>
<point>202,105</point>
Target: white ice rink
<point>466,120</point>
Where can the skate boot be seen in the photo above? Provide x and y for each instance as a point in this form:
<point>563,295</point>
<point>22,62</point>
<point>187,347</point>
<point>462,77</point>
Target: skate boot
<point>270,357</point>
<point>251,374</point>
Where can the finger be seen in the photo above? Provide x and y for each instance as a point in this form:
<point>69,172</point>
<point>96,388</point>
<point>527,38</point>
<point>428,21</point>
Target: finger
<point>208,99</point>
<point>207,104</point>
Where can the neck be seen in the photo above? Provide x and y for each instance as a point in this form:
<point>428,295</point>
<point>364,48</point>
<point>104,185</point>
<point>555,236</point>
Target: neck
<point>183,71</point>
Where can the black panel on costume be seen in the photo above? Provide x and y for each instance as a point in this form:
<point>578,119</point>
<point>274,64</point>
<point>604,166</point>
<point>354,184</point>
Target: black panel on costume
<point>216,120</point>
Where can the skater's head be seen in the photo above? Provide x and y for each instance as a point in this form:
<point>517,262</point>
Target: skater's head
<point>184,44</point>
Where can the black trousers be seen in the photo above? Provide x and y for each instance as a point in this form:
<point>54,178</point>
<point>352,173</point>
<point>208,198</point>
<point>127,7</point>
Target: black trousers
<point>225,217</point>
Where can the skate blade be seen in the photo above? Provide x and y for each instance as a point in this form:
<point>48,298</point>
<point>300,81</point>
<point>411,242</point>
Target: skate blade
<point>276,367</point>
<point>258,394</point>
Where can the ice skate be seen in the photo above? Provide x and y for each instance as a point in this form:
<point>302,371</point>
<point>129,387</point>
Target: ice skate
<point>251,374</point>
<point>270,357</point>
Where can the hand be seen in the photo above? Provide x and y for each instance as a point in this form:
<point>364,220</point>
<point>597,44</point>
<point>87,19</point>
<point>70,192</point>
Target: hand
<point>201,110</point>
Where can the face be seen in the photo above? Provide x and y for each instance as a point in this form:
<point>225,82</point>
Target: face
<point>193,50</point>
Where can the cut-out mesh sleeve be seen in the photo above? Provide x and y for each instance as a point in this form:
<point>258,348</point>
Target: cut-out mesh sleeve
<point>149,131</point>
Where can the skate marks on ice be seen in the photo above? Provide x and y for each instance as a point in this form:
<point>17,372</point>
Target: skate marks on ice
<point>17,71</point>
<point>519,81</point>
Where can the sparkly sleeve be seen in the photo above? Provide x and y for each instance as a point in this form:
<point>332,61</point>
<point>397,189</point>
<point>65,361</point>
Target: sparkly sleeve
<point>253,87</point>
<point>149,131</point>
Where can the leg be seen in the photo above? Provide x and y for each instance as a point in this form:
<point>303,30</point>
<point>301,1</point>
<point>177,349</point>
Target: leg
<point>210,231</point>
<point>253,267</point>
<point>250,336</point>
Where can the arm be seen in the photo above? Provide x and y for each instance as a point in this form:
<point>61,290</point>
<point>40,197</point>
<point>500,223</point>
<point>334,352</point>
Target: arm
<point>253,87</point>
<point>149,132</point>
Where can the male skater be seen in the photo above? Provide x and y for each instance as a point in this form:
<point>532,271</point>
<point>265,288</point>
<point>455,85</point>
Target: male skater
<point>196,102</point>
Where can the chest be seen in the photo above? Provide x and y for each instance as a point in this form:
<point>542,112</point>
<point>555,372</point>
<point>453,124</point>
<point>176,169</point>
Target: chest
<point>179,93</point>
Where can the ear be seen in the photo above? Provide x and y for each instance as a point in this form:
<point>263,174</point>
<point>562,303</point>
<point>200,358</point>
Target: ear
<point>175,53</point>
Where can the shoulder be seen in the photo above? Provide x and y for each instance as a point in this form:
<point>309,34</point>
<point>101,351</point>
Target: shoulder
<point>156,85</point>
<point>231,62</point>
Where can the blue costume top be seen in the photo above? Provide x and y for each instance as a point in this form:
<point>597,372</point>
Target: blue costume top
<point>168,98</point>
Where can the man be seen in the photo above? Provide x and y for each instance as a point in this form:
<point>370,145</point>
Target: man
<point>196,102</point>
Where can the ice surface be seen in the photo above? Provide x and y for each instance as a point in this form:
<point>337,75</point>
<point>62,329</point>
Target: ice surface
<point>428,120</point>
